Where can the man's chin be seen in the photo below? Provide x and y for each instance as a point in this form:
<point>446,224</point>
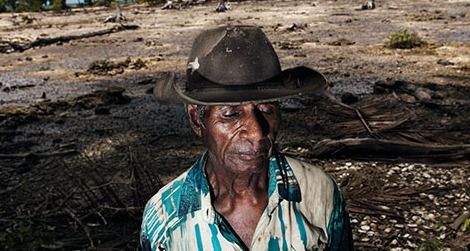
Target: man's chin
<point>249,163</point>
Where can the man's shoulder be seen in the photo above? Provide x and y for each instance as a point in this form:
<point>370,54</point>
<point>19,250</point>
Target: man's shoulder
<point>311,175</point>
<point>165,202</point>
<point>317,190</point>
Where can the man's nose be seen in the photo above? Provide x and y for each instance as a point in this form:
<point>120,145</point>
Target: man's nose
<point>256,126</point>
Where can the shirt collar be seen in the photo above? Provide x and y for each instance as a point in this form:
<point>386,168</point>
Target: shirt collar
<point>195,194</point>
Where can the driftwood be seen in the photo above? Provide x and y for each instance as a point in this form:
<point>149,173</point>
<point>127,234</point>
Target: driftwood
<point>369,148</point>
<point>47,41</point>
<point>37,155</point>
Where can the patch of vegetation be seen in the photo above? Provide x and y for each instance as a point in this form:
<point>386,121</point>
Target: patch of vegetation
<point>404,40</point>
<point>29,5</point>
<point>429,246</point>
<point>152,2</point>
<point>106,67</point>
<point>25,234</point>
<point>466,225</point>
<point>58,5</point>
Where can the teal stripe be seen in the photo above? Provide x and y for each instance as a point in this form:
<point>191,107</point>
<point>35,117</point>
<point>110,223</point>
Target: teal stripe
<point>152,230</point>
<point>198,238</point>
<point>300,224</point>
<point>273,168</point>
<point>161,232</point>
<point>150,214</point>
<point>273,244</point>
<point>214,239</point>
<point>283,229</point>
<point>335,225</point>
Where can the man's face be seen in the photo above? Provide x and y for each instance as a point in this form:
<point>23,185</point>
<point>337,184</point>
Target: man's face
<point>241,137</point>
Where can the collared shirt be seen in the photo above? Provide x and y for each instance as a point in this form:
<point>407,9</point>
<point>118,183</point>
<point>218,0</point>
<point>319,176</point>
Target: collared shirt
<point>305,211</point>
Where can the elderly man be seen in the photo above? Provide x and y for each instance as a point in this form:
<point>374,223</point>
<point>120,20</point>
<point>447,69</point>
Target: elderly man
<point>242,193</point>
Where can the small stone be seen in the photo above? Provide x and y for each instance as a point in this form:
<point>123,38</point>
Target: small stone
<point>407,98</point>
<point>365,239</point>
<point>102,111</point>
<point>411,244</point>
<point>406,235</point>
<point>349,98</point>
<point>444,62</point>
<point>365,228</point>
<point>354,221</point>
<point>399,226</point>
<point>429,217</point>
<point>388,230</point>
<point>412,225</point>
<point>370,233</point>
<point>394,242</point>
<point>423,94</point>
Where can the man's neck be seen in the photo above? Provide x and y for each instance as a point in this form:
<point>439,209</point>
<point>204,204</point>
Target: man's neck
<point>240,198</point>
<point>226,184</point>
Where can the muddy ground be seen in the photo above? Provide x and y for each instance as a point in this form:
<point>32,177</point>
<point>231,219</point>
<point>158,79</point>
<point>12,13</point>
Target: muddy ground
<point>84,144</point>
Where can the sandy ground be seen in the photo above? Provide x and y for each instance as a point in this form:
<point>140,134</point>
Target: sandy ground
<point>65,134</point>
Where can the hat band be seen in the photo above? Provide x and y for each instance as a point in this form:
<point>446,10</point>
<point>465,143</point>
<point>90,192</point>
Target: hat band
<point>197,81</point>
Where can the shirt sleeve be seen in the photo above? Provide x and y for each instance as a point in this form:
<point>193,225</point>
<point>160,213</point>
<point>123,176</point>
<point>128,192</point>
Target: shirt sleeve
<point>144,240</point>
<point>339,228</point>
<point>152,230</point>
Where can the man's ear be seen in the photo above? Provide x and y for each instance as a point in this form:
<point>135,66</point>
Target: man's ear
<point>193,117</point>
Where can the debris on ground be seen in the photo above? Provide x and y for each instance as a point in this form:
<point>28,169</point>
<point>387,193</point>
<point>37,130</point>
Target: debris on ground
<point>75,150</point>
<point>107,67</point>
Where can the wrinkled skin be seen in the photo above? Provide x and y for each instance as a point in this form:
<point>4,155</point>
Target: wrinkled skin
<point>240,140</point>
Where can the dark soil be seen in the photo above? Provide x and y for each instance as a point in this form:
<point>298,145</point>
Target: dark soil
<point>84,144</point>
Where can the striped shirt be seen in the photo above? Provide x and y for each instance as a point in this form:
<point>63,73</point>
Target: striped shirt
<point>305,211</point>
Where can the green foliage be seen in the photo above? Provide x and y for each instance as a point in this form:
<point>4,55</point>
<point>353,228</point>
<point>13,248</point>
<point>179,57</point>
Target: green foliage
<point>466,225</point>
<point>151,2</point>
<point>404,40</point>
<point>106,3</point>
<point>29,5</point>
<point>429,246</point>
<point>24,234</point>
<point>58,5</point>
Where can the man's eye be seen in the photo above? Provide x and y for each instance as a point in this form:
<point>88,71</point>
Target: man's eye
<point>230,114</point>
<point>268,109</point>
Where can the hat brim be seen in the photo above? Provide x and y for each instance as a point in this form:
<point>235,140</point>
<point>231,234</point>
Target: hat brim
<point>292,82</point>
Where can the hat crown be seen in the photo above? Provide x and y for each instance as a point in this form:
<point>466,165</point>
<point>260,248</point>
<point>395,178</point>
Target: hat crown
<point>233,55</point>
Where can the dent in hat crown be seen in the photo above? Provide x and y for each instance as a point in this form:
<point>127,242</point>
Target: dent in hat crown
<point>233,55</point>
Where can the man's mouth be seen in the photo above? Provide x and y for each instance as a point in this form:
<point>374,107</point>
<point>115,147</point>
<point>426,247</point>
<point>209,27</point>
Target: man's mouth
<point>252,155</point>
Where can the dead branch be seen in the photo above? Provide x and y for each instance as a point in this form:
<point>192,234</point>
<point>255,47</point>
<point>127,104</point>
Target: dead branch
<point>377,148</point>
<point>357,111</point>
<point>36,155</point>
<point>48,41</point>
<point>367,211</point>
<point>10,189</point>
<point>83,226</point>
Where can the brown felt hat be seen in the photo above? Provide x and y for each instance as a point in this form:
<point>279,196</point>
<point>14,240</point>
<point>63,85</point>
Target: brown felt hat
<point>231,65</point>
